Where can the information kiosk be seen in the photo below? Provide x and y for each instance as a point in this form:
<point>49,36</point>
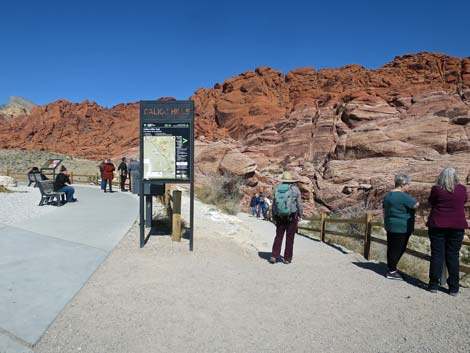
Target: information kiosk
<point>166,155</point>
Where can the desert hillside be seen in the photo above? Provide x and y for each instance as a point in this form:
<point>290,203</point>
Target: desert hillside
<point>344,131</point>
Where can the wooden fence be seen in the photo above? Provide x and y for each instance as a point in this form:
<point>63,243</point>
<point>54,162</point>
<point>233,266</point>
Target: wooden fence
<point>74,178</point>
<point>366,236</point>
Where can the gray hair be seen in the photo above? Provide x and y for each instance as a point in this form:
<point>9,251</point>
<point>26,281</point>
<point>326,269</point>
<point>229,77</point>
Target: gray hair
<point>402,179</point>
<point>447,179</point>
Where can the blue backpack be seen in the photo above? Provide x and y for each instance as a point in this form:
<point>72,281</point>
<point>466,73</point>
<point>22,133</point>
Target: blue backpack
<point>285,201</point>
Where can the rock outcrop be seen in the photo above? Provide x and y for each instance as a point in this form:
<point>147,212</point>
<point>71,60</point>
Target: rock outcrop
<point>345,132</point>
<point>82,130</point>
<point>16,106</point>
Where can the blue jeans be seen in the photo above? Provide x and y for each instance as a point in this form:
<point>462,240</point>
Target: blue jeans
<point>69,190</point>
<point>103,184</point>
<point>253,211</point>
<point>445,243</point>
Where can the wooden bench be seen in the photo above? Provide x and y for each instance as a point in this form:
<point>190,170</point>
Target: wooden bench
<point>46,187</point>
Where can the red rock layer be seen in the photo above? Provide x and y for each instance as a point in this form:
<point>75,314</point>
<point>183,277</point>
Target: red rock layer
<point>344,131</point>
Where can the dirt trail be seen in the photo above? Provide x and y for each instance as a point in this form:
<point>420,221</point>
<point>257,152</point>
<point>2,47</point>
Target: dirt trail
<point>224,297</point>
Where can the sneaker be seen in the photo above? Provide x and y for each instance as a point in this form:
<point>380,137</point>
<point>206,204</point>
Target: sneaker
<point>287,262</point>
<point>272,260</point>
<point>432,289</point>
<point>394,275</point>
<point>453,294</point>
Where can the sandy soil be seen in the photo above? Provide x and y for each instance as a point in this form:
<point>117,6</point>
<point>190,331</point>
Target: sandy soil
<point>225,297</point>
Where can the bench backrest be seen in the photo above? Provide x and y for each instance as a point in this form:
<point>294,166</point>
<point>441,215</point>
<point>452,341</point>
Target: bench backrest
<point>31,177</point>
<point>37,177</point>
<point>46,186</point>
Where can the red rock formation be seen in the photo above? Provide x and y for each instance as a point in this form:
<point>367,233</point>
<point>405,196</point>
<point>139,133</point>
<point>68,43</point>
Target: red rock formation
<point>343,131</point>
<point>83,130</point>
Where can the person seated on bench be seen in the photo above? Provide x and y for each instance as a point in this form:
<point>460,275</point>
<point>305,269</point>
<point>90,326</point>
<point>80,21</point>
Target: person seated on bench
<point>62,184</point>
<point>37,172</point>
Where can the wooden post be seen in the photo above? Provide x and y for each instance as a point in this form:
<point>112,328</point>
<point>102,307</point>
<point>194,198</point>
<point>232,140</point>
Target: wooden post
<point>8,172</point>
<point>322,226</point>
<point>71,177</point>
<point>367,234</point>
<point>176,217</point>
<point>97,179</point>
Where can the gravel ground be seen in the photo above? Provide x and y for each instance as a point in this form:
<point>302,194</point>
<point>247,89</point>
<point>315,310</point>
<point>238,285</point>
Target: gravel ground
<point>224,297</point>
<point>21,205</point>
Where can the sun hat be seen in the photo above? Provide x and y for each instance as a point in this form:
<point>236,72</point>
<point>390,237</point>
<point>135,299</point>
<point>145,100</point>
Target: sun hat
<point>287,178</point>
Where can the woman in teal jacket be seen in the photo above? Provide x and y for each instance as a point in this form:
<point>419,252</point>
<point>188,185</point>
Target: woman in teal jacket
<point>398,209</point>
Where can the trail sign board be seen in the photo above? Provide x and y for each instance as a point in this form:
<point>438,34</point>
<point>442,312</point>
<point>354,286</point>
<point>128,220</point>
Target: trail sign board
<point>166,152</point>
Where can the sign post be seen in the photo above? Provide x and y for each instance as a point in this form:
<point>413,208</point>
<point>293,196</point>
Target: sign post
<point>166,155</point>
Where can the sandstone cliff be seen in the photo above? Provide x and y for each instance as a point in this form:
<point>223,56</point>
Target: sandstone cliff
<point>344,131</point>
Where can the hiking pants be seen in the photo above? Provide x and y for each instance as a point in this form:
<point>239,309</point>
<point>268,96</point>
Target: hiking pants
<point>445,243</point>
<point>110,183</point>
<point>123,182</point>
<point>396,246</point>
<point>289,228</point>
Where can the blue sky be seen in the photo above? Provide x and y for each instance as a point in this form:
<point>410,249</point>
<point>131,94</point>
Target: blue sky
<point>124,51</point>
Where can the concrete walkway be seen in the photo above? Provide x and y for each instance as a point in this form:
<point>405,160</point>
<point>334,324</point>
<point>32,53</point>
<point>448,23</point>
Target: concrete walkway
<point>45,261</point>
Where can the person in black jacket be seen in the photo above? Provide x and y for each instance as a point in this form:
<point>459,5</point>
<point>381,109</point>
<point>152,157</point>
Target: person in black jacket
<point>62,184</point>
<point>122,168</point>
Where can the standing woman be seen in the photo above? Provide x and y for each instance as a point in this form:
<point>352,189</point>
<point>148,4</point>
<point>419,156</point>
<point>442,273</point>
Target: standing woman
<point>108,174</point>
<point>446,225</point>
<point>398,209</point>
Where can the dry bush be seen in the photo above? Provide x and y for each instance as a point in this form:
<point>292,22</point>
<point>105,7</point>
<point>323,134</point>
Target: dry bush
<point>4,189</point>
<point>221,191</point>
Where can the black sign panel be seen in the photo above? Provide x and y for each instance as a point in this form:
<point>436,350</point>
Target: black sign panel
<point>167,150</point>
<point>166,154</point>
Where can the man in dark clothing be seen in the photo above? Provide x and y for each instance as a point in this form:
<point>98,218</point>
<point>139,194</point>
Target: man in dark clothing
<point>254,204</point>
<point>62,184</point>
<point>122,168</point>
<point>262,206</point>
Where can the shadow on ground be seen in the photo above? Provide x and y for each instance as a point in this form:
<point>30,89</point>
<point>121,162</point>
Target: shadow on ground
<point>381,269</point>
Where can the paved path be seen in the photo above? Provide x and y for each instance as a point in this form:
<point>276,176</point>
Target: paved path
<point>45,261</point>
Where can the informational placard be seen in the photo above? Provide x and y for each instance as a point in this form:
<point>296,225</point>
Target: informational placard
<point>52,163</point>
<point>167,151</point>
<point>166,155</point>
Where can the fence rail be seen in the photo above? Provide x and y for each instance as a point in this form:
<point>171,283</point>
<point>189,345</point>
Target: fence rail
<point>74,178</point>
<point>367,237</point>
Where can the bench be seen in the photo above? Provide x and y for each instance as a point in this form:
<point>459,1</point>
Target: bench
<point>46,187</point>
<point>34,178</point>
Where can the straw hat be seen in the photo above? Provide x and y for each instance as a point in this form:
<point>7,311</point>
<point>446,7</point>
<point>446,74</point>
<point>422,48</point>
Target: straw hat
<point>287,178</point>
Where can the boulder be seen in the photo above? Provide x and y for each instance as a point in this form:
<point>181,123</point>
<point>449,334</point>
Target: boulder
<point>8,181</point>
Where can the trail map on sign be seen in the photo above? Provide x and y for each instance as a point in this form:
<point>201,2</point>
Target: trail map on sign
<point>159,157</point>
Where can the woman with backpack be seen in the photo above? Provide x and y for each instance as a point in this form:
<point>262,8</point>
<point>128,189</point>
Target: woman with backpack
<point>287,210</point>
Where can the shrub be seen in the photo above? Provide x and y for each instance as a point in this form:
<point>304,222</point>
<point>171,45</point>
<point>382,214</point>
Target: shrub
<point>221,191</point>
<point>4,189</point>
